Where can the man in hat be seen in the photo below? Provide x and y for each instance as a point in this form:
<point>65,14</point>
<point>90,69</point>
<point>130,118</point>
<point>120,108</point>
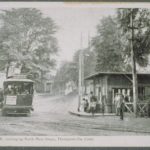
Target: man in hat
<point>121,98</point>
<point>119,103</point>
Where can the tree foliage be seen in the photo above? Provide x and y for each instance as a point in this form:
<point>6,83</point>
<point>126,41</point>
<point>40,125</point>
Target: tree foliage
<point>107,45</point>
<point>69,71</point>
<point>66,72</point>
<point>27,37</point>
<point>89,61</point>
<point>141,24</point>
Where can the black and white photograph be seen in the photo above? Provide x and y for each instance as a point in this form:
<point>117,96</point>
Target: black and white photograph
<point>71,69</point>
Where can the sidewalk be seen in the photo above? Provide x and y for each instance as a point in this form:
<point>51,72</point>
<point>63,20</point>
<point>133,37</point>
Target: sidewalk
<point>84,114</point>
<point>111,122</point>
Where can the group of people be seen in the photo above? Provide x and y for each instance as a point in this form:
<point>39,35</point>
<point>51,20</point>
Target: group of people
<point>90,104</point>
<point>16,89</point>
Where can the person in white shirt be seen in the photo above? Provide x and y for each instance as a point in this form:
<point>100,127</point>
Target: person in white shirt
<point>117,103</point>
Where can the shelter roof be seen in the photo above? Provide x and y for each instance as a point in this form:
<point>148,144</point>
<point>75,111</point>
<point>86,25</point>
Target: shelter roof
<point>113,73</point>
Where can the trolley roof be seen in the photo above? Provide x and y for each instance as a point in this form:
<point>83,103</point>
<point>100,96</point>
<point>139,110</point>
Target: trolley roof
<point>18,80</point>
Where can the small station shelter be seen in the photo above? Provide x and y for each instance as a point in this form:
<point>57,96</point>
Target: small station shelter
<point>105,85</point>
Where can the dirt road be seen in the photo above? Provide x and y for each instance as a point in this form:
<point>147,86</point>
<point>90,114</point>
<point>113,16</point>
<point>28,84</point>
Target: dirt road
<point>50,117</point>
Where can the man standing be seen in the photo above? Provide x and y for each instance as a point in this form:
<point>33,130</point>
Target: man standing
<point>117,104</point>
<point>121,106</point>
<point>93,101</point>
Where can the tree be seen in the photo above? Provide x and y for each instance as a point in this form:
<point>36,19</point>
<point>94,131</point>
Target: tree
<point>89,61</point>
<point>69,71</point>
<point>135,27</point>
<point>141,23</point>
<point>27,37</point>
<point>66,72</point>
<point>107,45</point>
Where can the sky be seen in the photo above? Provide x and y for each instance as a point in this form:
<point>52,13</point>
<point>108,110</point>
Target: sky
<point>75,23</point>
<point>73,20</point>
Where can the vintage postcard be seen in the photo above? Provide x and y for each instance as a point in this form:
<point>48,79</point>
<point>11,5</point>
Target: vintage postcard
<point>74,74</point>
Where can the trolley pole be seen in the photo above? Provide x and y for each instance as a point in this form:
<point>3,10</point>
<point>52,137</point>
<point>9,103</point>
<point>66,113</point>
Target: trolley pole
<point>80,80</point>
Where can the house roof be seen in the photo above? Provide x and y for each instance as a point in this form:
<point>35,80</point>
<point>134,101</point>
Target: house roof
<point>112,73</point>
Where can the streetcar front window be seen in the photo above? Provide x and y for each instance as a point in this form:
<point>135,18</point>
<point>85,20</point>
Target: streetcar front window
<point>18,88</point>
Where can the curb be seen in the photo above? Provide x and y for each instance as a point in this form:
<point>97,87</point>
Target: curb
<point>43,94</point>
<point>89,114</point>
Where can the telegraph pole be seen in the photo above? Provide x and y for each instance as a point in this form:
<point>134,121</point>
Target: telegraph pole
<point>81,86</point>
<point>80,82</point>
<point>134,74</point>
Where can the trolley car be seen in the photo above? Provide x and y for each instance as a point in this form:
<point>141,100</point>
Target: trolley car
<point>18,96</point>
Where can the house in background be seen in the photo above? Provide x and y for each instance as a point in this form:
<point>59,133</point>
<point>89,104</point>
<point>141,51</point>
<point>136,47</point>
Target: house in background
<point>45,84</point>
<point>105,85</point>
<point>70,87</point>
<point>62,87</point>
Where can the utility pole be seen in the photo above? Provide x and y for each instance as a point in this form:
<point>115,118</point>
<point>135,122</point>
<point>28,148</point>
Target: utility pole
<point>80,82</point>
<point>81,86</point>
<point>89,42</point>
<point>134,74</point>
<point>82,71</point>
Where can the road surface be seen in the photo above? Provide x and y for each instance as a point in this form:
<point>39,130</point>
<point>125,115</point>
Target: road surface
<point>51,118</point>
